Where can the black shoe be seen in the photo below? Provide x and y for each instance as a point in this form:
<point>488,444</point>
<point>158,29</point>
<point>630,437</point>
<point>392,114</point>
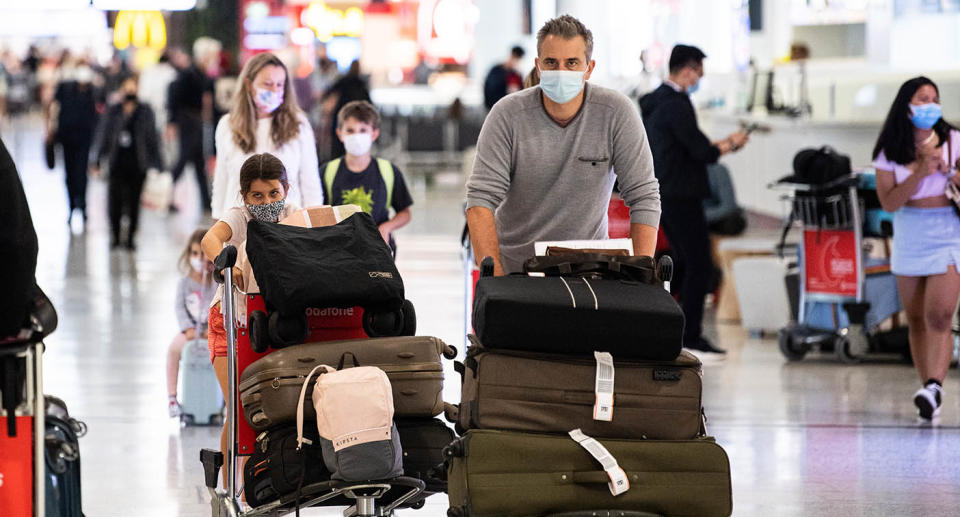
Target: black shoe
<point>703,345</point>
<point>131,246</point>
<point>173,209</point>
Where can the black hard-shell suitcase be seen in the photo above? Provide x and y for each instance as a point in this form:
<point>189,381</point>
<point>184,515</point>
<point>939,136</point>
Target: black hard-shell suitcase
<point>62,452</point>
<point>578,316</point>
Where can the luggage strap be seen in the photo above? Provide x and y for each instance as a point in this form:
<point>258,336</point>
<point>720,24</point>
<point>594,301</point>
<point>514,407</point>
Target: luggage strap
<point>603,388</point>
<point>573,299</point>
<point>618,478</point>
<point>303,393</point>
<point>386,172</point>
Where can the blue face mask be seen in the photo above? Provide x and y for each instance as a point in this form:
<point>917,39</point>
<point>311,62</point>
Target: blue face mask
<point>692,89</point>
<point>561,86</point>
<point>924,116</point>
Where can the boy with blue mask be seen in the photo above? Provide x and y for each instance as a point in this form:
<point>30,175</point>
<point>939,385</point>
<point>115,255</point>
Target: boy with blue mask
<point>373,184</point>
<point>548,156</point>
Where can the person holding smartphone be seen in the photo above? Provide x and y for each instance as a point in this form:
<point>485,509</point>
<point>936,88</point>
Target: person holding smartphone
<point>681,153</point>
<point>915,159</point>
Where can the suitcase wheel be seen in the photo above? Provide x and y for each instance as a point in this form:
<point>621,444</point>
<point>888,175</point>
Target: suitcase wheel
<point>384,324</point>
<point>259,337</point>
<point>287,330</point>
<point>454,450</point>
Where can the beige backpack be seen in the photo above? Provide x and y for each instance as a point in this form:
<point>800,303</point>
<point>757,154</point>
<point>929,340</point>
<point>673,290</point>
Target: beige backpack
<point>355,421</point>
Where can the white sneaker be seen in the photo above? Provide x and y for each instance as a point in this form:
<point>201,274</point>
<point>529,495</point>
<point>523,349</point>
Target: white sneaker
<point>928,400</point>
<point>174,408</point>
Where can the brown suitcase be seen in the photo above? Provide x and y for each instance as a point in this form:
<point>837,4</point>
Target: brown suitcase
<point>522,391</point>
<point>270,387</point>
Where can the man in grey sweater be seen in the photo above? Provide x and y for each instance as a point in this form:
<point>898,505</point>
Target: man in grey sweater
<point>547,158</point>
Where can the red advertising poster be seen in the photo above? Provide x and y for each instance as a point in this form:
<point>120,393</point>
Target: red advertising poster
<point>831,262</point>
<point>16,469</point>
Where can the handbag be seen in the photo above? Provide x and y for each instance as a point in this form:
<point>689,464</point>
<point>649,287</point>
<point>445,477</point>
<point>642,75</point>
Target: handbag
<point>157,190</point>
<point>952,191</point>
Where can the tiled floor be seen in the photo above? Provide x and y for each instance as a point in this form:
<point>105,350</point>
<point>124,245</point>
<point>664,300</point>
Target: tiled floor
<point>808,438</point>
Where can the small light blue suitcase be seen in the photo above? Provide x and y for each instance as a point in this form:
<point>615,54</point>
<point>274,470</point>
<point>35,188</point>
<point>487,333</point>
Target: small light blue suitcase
<point>200,395</point>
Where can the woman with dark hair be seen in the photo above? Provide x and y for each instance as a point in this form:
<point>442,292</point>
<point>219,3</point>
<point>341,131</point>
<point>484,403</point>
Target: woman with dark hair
<point>915,156</point>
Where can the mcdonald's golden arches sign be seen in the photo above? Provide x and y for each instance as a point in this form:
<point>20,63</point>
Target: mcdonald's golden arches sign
<point>142,29</point>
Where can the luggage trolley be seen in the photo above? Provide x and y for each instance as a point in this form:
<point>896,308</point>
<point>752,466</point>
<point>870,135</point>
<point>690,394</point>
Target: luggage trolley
<point>23,470</point>
<point>833,274</point>
<point>226,503</point>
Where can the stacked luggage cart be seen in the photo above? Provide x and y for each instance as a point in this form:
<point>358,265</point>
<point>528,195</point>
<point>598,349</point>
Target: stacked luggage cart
<point>843,296</point>
<point>273,351</point>
<point>576,397</point>
<point>39,447</point>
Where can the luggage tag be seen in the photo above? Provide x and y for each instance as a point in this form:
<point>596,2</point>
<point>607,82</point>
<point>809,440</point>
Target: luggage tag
<point>618,478</point>
<point>603,407</point>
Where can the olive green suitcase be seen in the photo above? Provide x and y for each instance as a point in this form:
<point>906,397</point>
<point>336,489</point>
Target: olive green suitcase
<point>510,474</point>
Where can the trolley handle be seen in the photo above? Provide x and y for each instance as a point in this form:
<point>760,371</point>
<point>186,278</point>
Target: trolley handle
<point>226,259</point>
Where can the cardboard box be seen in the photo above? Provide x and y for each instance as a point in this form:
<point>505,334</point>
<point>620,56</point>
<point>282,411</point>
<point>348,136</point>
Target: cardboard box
<point>323,215</point>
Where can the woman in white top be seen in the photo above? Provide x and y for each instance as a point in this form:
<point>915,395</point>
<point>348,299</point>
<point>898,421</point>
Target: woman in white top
<point>265,118</point>
<point>915,157</point>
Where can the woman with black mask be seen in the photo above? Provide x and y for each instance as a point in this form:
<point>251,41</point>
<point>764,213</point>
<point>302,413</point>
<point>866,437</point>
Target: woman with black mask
<point>130,145</point>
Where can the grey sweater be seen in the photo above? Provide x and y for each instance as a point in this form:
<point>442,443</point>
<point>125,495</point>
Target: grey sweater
<point>546,182</point>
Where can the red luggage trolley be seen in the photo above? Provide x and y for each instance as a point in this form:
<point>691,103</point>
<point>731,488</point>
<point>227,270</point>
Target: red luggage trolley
<point>226,503</point>
<point>22,433</point>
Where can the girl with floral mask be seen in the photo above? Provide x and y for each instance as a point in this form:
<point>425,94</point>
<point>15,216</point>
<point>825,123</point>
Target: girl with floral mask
<point>264,118</point>
<point>194,293</point>
<point>263,190</point>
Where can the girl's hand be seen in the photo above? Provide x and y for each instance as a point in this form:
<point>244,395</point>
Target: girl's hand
<point>238,278</point>
<point>190,333</point>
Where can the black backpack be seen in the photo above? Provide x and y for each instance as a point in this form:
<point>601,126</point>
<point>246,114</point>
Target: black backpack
<point>819,166</point>
<point>277,469</point>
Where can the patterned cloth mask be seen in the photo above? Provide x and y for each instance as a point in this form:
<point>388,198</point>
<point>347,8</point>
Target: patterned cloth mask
<point>268,213</point>
<point>267,100</point>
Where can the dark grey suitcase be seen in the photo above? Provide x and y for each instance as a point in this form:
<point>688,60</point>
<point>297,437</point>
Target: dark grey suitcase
<point>523,391</point>
<point>270,387</point>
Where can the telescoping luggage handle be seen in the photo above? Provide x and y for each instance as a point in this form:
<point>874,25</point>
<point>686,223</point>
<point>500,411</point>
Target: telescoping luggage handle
<point>618,478</point>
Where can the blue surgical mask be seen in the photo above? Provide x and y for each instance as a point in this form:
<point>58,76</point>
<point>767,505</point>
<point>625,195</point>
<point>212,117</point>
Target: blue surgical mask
<point>561,86</point>
<point>924,116</point>
<point>692,89</point>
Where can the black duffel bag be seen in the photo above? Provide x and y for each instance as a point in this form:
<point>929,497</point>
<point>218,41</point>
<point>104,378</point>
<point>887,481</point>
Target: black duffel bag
<point>819,166</point>
<point>344,265</point>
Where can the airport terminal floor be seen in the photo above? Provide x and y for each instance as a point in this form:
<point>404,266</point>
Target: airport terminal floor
<point>814,437</point>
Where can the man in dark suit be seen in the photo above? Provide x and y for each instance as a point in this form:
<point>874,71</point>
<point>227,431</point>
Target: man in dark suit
<point>681,153</point>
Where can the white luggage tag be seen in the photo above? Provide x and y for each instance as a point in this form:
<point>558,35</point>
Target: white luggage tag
<point>618,478</point>
<point>603,407</point>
